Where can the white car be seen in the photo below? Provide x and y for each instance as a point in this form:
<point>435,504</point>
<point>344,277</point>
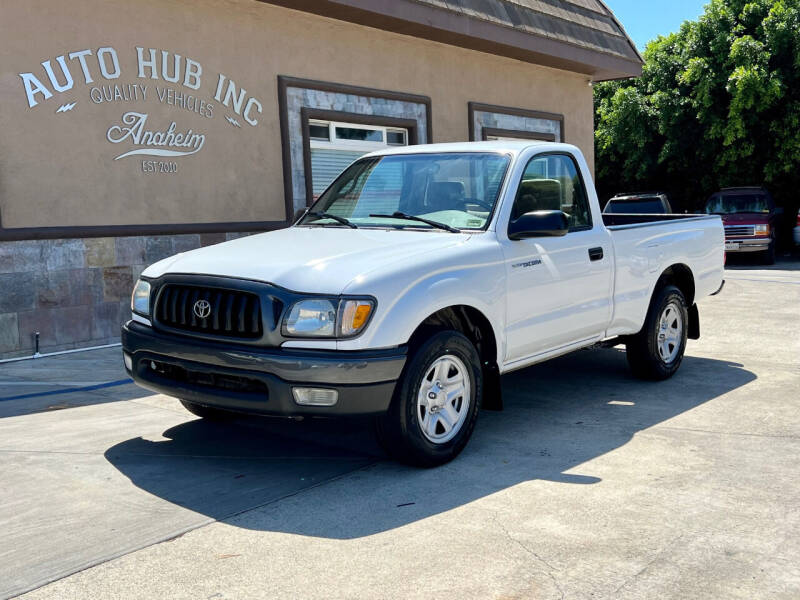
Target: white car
<point>418,278</point>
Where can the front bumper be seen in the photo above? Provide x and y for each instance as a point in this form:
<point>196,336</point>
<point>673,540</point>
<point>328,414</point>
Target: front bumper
<point>260,380</point>
<point>747,244</point>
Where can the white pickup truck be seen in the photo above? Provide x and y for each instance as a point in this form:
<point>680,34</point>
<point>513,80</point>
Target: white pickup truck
<point>417,279</point>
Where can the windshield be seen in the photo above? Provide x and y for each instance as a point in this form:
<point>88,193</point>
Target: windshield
<point>455,189</point>
<point>635,207</point>
<point>740,203</point>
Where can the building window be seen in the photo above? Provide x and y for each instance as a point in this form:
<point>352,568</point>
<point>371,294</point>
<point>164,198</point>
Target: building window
<point>490,134</point>
<point>350,135</point>
<point>334,145</point>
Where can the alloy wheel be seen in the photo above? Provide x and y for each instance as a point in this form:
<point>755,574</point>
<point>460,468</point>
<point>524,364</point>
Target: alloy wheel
<point>443,399</point>
<point>670,333</point>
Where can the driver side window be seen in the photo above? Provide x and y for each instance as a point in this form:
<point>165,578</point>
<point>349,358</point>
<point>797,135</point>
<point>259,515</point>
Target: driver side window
<point>552,182</point>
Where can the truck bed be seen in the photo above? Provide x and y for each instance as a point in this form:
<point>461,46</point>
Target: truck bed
<point>646,245</point>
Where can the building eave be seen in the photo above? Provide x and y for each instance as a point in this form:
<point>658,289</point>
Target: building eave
<point>430,22</point>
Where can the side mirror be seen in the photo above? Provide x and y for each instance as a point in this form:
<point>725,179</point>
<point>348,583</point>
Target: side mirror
<point>539,223</point>
<point>299,214</point>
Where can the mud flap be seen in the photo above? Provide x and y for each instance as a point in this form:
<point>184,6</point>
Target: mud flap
<point>694,323</point>
<point>492,390</point>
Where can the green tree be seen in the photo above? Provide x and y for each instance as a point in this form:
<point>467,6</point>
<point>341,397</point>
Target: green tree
<point>717,105</point>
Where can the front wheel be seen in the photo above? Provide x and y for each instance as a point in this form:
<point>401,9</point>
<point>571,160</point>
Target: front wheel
<point>657,350</point>
<point>435,405</point>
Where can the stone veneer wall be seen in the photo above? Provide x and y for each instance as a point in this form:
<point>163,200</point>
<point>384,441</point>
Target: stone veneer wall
<point>76,292</point>
<point>515,123</point>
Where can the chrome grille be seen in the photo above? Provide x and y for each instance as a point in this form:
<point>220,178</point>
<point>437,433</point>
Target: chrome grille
<point>739,230</point>
<point>231,313</point>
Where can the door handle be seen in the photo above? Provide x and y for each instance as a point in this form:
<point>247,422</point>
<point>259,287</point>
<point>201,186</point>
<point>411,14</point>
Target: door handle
<point>596,253</point>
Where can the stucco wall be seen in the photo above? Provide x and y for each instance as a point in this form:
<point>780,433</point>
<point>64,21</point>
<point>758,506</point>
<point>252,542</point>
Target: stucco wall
<point>58,168</point>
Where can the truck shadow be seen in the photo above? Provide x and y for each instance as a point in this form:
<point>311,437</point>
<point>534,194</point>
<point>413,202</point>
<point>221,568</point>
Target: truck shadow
<point>65,381</point>
<point>558,416</point>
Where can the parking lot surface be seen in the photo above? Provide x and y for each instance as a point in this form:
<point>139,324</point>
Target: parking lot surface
<point>590,484</point>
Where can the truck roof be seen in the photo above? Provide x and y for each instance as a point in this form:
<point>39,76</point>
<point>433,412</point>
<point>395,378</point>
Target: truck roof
<point>636,195</point>
<point>504,146</point>
<point>745,188</point>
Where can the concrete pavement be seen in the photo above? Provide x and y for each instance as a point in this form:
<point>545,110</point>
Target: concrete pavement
<point>590,484</point>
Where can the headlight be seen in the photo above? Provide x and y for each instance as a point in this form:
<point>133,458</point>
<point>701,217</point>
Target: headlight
<point>312,318</point>
<point>327,318</point>
<point>761,230</point>
<point>140,299</point>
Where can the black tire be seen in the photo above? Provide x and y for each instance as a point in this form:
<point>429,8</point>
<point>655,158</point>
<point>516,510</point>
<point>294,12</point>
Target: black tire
<point>642,348</point>
<point>769,255</point>
<point>399,431</point>
<point>206,412</point>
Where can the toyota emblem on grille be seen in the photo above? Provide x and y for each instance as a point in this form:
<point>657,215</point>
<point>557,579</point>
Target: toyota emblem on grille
<point>202,308</point>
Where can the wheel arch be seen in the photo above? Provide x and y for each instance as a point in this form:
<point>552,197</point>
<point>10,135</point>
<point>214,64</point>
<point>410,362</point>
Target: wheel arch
<point>681,277</point>
<point>476,326</point>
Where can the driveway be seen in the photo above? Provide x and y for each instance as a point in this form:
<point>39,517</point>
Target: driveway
<point>590,484</point>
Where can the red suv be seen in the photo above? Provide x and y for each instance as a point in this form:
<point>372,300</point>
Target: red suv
<point>750,218</point>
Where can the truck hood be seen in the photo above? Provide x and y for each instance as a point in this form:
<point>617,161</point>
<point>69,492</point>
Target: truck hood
<point>745,219</point>
<point>308,259</point>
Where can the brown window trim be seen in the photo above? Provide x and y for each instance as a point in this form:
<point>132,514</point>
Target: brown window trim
<point>517,133</point>
<point>285,82</point>
<point>308,114</point>
<point>473,107</point>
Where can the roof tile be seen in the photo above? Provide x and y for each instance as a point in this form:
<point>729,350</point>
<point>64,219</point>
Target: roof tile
<point>585,23</point>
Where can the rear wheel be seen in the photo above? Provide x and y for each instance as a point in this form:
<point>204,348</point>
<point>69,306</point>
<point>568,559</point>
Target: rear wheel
<point>436,402</point>
<point>657,350</point>
<point>206,412</point>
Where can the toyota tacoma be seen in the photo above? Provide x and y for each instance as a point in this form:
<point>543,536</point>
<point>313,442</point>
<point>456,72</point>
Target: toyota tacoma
<point>418,278</point>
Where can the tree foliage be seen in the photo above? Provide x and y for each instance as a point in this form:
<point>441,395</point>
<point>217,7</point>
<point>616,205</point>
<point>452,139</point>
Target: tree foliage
<point>717,105</point>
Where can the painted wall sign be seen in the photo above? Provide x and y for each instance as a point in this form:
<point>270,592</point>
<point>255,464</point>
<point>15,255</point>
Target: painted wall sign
<point>167,142</point>
<point>176,82</point>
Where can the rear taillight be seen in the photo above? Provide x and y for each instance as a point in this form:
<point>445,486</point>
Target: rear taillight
<point>798,218</point>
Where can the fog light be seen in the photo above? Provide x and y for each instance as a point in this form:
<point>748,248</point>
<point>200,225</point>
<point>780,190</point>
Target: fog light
<point>128,361</point>
<point>315,396</point>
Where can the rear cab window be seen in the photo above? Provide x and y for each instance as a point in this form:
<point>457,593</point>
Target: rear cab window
<point>640,206</point>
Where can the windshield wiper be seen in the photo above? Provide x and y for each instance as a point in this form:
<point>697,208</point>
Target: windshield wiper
<point>337,218</point>
<point>407,217</point>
